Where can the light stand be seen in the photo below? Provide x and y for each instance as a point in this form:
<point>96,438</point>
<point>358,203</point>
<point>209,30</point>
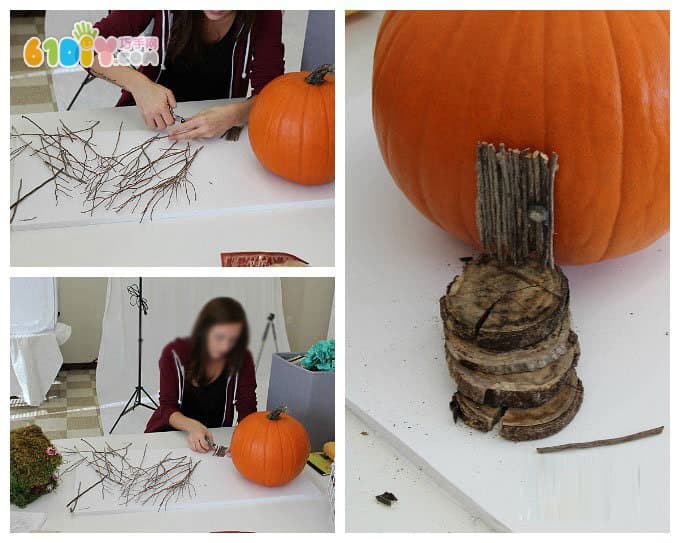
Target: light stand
<point>267,327</point>
<point>136,400</point>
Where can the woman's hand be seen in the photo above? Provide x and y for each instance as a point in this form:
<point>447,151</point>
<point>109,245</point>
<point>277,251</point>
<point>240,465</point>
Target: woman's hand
<point>197,437</point>
<point>212,122</point>
<point>154,102</point>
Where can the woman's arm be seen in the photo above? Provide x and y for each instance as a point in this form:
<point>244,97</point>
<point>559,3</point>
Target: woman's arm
<point>197,432</point>
<point>153,100</point>
<point>169,400</point>
<point>246,398</point>
<point>267,64</point>
<point>268,49</point>
<point>213,122</point>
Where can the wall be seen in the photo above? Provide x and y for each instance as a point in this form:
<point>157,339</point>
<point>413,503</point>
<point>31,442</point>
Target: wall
<point>307,303</point>
<point>81,306</point>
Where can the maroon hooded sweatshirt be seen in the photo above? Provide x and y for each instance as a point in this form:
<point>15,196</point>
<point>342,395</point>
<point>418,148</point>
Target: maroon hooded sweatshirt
<point>257,54</point>
<point>240,388</point>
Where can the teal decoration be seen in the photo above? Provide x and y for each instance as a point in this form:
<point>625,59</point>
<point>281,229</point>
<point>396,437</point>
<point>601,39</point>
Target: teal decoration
<point>320,356</point>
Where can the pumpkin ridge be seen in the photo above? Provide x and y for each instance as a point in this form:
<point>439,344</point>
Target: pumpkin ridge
<point>454,37</point>
<point>377,76</point>
<point>615,222</point>
<point>328,134</point>
<point>422,136</point>
<point>303,132</point>
<point>624,229</point>
<point>288,446</point>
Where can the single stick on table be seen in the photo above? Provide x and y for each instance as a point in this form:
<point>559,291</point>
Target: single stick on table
<point>75,500</point>
<point>41,185</point>
<point>601,442</point>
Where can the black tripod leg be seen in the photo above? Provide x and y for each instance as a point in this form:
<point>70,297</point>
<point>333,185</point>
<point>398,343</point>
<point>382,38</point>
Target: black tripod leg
<point>123,411</point>
<point>153,402</point>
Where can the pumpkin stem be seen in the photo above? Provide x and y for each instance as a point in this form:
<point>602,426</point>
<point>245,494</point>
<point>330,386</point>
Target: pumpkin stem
<point>275,414</point>
<point>515,204</point>
<point>318,76</point>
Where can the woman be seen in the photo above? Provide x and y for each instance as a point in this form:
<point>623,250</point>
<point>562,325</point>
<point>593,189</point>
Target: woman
<point>207,376</point>
<point>203,55</point>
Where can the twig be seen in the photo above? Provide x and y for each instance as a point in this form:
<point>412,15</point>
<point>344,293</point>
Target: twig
<point>41,185</point>
<point>14,211</point>
<point>601,442</point>
<point>122,181</point>
<point>87,490</point>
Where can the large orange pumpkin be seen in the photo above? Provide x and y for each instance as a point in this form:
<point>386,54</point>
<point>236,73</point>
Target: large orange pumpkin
<point>292,126</point>
<point>270,448</point>
<point>592,86</point>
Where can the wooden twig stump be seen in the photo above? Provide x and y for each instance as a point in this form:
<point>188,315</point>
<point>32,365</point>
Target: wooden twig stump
<point>509,344</point>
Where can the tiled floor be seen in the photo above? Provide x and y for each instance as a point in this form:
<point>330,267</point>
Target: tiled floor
<point>30,88</point>
<point>71,408</point>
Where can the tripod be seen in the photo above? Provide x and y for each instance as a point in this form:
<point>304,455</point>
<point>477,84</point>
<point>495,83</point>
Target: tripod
<point>267,327</point>
<point>136,399</point>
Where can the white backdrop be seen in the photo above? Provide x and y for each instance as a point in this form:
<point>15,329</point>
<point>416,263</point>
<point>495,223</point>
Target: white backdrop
<point>35,337</point>
<point>174,303</point>
<point>33,305</point>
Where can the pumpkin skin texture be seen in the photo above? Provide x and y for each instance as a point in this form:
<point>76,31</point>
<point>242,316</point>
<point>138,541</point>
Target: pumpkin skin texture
<point>270,452</point>
<point>591,86</point>
<point>292,128</point>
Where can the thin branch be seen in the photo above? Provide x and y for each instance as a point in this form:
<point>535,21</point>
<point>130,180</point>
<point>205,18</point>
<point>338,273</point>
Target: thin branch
<point>601,442</point>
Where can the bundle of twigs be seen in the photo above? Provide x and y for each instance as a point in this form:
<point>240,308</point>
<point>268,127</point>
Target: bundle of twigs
<point>158,483</point>
<point>142,177</point>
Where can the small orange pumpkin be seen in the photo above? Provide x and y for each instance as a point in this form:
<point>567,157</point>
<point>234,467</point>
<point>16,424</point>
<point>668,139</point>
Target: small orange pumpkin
<point>270,448</point>
<point>592,86</point>
<point>292,126</point>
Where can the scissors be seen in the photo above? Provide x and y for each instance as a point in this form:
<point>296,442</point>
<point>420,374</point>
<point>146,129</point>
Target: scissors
<point>178,118</point>
<point>218,450</point>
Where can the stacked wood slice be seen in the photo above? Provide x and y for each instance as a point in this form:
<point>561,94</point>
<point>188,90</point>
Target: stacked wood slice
<point>509,343</point>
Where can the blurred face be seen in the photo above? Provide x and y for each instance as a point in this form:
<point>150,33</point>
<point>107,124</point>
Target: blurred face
<point>222,338</point>
<point>217,15</point>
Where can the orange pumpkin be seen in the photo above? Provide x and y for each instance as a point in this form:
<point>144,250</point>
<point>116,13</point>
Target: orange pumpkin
<point>292,126</point>
<point>592,86</point>
<point>270,448</point>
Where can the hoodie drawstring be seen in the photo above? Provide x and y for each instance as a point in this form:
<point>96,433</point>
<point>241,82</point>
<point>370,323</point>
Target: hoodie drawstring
<point>246,58</point>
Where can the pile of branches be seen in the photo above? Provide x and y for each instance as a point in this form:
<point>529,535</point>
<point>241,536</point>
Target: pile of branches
<point>150,174</point>
<point>157,483</point>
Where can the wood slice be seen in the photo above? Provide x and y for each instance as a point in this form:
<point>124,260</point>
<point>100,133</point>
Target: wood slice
<point>524,424</point>
<point>546,419</point>
<point>529,358</point>
<point>478,416</point>
<point>524,389</point>
<point>504,308</point>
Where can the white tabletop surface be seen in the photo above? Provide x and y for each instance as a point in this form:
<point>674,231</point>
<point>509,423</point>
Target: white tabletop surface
<point>398,266</point>
<point>293,219</point>
<point>284,516</point>
<point>377,467</point>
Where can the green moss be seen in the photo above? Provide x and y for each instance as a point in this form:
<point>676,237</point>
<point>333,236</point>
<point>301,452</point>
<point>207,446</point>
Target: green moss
<point>32,471</point>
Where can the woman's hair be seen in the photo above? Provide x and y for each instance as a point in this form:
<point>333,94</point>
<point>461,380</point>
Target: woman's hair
<point>186,36</point>
<point>217,311</point>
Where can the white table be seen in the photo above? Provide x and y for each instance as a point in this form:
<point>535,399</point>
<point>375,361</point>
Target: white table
<point>398,266</point>
<point>377,467</point>
<point>283,516</point>
<point>293,220</point>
